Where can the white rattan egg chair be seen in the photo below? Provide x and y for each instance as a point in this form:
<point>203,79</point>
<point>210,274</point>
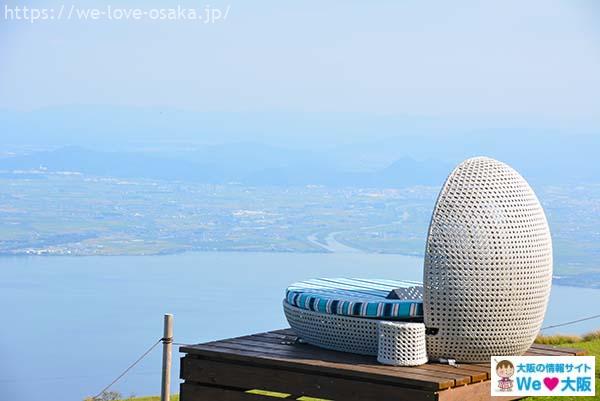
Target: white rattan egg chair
<point>488,264</point>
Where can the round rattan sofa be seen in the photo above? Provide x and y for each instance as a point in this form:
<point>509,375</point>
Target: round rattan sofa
<point>343,313</point>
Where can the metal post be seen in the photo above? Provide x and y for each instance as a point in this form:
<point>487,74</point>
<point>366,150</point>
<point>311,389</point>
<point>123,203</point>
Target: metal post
<point>165,390</point>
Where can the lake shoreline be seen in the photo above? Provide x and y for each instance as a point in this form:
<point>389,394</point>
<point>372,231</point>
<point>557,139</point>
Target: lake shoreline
<point>585,280</point>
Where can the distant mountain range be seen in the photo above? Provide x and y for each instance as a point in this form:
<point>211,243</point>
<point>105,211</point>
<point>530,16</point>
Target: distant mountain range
<point>255,164</point>
<point>262,166</point>
<point>292,148</point>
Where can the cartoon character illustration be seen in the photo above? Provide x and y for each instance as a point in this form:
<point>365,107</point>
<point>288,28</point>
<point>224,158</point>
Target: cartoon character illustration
<point>505,369</point>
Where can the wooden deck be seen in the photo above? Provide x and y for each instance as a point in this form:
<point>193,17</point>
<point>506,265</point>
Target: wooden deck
<point>226,370</point>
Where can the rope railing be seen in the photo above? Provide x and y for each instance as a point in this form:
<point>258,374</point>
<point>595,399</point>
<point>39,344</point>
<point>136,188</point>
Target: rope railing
<point>97,396</point>
<point>571,322</point>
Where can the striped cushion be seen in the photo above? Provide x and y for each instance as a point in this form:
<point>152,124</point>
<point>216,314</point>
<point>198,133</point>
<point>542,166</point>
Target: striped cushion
<point>356,297</point>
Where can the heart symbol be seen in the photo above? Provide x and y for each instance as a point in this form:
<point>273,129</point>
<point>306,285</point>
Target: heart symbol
<point>551,382</point>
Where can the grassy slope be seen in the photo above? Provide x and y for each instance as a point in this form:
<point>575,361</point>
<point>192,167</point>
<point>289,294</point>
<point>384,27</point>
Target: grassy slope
<point>593,348</point>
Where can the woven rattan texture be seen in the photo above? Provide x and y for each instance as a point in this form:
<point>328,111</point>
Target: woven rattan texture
<point>336,332</point>
<point>401,344</point>
<point>488,264</point>
<point>414,292</point>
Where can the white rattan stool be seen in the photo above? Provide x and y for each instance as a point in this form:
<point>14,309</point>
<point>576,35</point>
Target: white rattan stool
<point>401,343</point>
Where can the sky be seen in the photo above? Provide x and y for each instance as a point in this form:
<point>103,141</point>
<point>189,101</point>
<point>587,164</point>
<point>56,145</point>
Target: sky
<point>503,61</point>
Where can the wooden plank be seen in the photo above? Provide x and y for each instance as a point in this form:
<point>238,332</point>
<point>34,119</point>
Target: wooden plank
<point>539,352</point>
<point>463,374</point>
<point>287,332</point>
<point>207,371</point>
<point>275,336</point>
<point>473,392</point>
<point>357,370</point>
<point>199,392</point>
<point>358,363</point>
<point>344,360</point>
<point>365,372</point>
<point>469,375</point>
<point>269,343</point>
<point>473,368</point>
<point>286,340</point>
<point>446,372</point>
<point>567,351</point>
<point>476,372</point>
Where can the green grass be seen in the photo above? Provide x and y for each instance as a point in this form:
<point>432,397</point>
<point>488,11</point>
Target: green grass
<point>592,346</point>
<point>561,339</point>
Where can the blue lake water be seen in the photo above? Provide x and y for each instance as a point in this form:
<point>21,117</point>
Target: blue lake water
<point>71,324</point>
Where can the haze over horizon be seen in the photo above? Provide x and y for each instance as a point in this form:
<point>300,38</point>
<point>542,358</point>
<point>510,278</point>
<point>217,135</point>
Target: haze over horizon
<point>305,76</point>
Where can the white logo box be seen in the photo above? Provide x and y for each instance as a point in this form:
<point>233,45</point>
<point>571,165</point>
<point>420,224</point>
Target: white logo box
<point>543,376</point>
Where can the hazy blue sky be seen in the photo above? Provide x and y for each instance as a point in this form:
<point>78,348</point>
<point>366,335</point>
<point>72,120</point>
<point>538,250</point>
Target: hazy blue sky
<point>533,58</point>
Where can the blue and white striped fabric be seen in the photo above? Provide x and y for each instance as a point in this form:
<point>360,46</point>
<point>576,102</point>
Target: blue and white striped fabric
<point>355,297</point>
